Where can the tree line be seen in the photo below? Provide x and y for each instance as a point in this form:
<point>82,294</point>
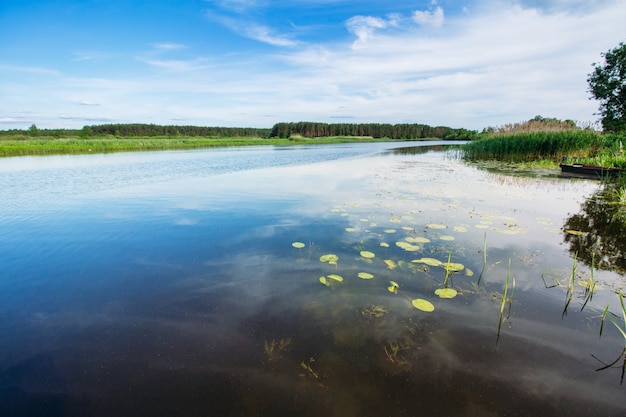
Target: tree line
<point>279,130</point>
<point>375,130</point>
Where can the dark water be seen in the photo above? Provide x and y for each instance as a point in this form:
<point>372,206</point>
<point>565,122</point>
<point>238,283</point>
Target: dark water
<point>166,284</point>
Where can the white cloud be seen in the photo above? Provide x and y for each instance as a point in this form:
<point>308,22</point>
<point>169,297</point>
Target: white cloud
<point>266,35</point>
<point>238,6</point>
<point>502,63</point>
<point>169,46</point>
<point>429,19</point>
<point>178,65</point>
<point>365,26</point>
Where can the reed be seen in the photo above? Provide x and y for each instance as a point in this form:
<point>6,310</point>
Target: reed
<point>620,323</point>
<point>590,284</point>
<point>506,298</point>
<point>445,281</point>
<point>482,271</point>
<point>528,146</point>
<point>570,286</point>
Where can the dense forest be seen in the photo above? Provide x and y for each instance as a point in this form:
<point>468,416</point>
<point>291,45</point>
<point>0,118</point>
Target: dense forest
<point>280,130</point>
<point>375,130</point>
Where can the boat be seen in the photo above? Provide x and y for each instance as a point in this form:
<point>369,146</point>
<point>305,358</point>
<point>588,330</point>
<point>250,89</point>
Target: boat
<point>589,171</point>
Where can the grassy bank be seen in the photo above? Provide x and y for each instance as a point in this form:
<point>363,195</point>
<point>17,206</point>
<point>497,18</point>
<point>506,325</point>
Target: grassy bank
<point>587,146</point>
<point>24,145</point>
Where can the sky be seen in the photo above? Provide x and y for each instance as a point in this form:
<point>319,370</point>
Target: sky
<point>253,63</point>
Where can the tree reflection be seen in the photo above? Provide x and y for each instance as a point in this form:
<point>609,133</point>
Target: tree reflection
<point>603,226</point>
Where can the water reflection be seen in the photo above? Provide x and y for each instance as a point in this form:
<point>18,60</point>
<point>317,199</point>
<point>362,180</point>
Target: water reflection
<point>185,296</point>
<point>597,233</point>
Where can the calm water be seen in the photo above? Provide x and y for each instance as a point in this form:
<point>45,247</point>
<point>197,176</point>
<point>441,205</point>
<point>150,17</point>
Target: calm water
<point>166,284</point>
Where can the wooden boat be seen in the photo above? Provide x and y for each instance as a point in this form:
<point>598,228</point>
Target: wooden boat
<point>589,171</point>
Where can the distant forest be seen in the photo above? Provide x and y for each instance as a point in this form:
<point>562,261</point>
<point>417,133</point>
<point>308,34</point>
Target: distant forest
<point>280,130</point>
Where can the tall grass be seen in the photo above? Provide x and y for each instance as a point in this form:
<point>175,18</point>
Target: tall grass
<point>530,146</point>
<point>103,144</point>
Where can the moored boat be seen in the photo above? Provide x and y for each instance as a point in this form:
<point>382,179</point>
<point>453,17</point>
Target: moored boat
<point>590,171</point>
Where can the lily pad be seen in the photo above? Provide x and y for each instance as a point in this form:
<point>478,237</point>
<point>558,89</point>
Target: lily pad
<point>469,272</point>
<point>350,229</point>
<point>407,246</point>
<point>384,244</point>
<point>298,245</point>
<point>429,261</point>
<point>330,258</point>
<point>367,254</point>
<point>335,277</point>
<point>436,226</point>
<point>324,281</point>
<point>460,229</point>
<point>452,266</point>
<point>390,264</point>
<point>446,292</point>
<point>446,237</point>
<point>393,287</point>
<point>365,275</point>
<point>389,230</point>
<point>423,305</point>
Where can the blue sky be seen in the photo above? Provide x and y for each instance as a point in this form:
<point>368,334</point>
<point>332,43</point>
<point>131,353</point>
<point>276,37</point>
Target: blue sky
<point>458,63</point>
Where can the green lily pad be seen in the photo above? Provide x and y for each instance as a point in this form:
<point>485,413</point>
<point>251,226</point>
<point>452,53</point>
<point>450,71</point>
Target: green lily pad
<point>446,237</point>
<point>324,281</point>
<point>436,226</point>
<point>393,287</point>
<point>384,244</point>
<point>367,254</point>
<point>407,246</point>
<point>298,245</point>
<point>335,277</point>
<point>428,261</point>
<point>423,305</point>
<point>350,229</point>
<point>330,258</point>
<point>446,292</point>
<point>365,275</point>
<point>452,266</point>
<point>390,264</point>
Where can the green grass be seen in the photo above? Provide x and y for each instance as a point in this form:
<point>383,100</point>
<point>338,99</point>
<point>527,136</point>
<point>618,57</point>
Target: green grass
<point>24,145</point>
<point>532,146</point>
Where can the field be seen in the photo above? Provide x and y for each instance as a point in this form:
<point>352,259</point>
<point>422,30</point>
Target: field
<point>25,145</point>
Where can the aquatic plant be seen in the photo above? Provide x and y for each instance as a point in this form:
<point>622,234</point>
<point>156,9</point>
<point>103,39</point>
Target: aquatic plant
<point>273,348</point>
<point>506,297</point>
<point>526,146</point>
<point>373,311</point>
<point>570,287</point>
<point>589,284</point>
<point>423,305</point>
<point>621,327</point>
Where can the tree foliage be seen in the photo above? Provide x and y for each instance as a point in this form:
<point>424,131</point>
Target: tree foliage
<point>374,130</point>
<point>607,83</point>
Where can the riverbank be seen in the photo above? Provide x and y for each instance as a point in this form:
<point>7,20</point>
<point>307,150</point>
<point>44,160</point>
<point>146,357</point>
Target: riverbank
<point>106,144</point>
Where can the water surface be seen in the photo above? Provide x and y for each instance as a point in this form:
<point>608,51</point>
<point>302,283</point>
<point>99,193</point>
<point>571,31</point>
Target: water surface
<point>166,283</point>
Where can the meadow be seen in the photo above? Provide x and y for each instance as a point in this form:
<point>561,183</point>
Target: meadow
<point>24,145</point>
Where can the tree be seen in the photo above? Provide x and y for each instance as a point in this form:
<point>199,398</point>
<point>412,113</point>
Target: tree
<point>607,83</point>
<point>33,130</point>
